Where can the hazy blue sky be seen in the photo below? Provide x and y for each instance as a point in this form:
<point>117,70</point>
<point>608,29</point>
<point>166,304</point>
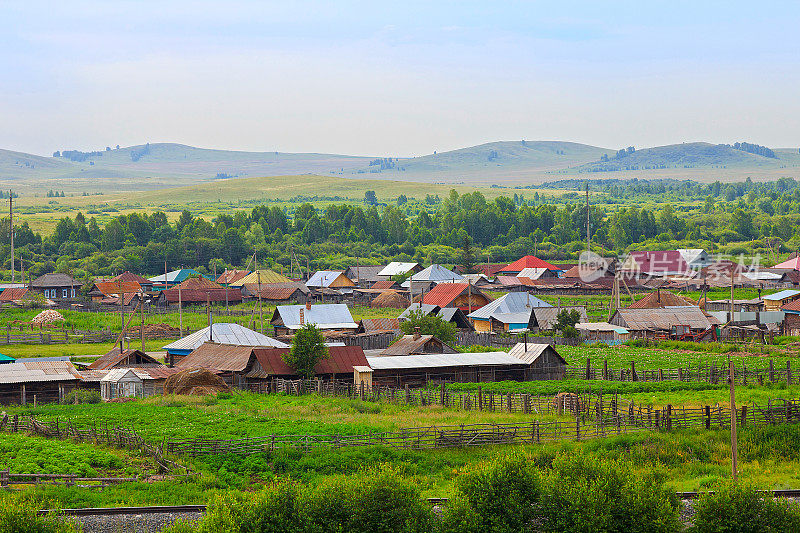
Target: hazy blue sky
<point>404,78</point>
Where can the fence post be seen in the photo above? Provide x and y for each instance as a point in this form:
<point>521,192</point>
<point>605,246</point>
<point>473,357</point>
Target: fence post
<point>508,402</point>
<point>788,372</point>
<point>588,368</point>
<point>408,395</point>
<point>744,415</point>
<point>527,403</point>
<point>605,369</point>
<point>577,428</point>
<point>707,410</point>
<point>633,371</point>
<point>771,371</point>
<point>660,374</point>
<point>480,399</point>
<point>669,417</point>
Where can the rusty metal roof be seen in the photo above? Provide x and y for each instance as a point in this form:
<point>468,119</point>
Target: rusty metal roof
<point>660,299</point>
<point>222,357</point>
<point>663,319</point>
<point>380,324</point>
<point>114,357</point>
<point>340,360</point>
<point>411,344</point>
<point>533,352</point>
<point>15,293</point>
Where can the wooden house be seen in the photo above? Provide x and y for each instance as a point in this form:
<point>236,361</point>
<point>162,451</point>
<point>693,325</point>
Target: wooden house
<point>123,359</point>
<point>674,323</point>
<point>329,279</point>
<point>602,332</point>
<point>56,286</point>
<point>774,302</point>
<point>510,312</point>
<point>330,317</point>
<point>41,381</point>
<point>461,295</point>
<point>198,291</point>
<point>544,362</point>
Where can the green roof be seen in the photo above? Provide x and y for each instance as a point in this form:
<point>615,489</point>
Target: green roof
<point>6,359</point>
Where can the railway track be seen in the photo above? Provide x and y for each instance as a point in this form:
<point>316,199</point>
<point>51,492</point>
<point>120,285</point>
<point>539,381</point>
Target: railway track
<point>160,509</point>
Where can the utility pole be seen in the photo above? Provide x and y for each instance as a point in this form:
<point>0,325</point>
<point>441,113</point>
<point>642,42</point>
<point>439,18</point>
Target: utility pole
<point>180,307</point>
<point>11,228</point>
<point>260,305</point>
<point>588,233</point>
<point>141,328</point>
<point>734,439</point>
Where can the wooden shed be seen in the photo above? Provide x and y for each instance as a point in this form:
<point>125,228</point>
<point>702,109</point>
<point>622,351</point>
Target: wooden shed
<point>417,344</point>
<point>544,362</point>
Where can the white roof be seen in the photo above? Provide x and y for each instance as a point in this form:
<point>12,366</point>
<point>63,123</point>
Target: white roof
<point>325,316</point>
<point>599,326</point>
<point>171,276</point>
<point>397,362</point>
<point>436,273</point>
<point>531,273</point>
<point>763,275</point>
<point>116,374</point>
<point>225,333</point>
<point>396,268</point>
<point>323,278</point>
<point>531,354</point>
<point>513,303</point>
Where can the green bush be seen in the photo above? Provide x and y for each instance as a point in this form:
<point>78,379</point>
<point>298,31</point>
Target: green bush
<point>740,509</point>
<point>501,497</point>
<point>81,396</point>
<point>20,516</point>
<point>584,494</point>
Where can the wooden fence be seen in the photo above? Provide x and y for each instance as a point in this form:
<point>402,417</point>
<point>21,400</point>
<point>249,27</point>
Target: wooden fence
<point>114,436</point>
<point>68,336</point>
<point>8,478</point>
<point>470,338</point>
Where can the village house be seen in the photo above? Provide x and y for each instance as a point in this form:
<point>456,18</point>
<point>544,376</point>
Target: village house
<point>41,381</point>
<point>329,279</point>
<point>198,291</point>
<point>461,295</point>
<point>327,317</point>
<point>510,312</point>
<point>774,302</point>
<point>674,323</point>
<point>397,268</point>
<point>171,279</point>
<point>56,286</point>
<point>544,362</point>
<point>529,262</point>
<point>602,332</point>
<point>448,314</point>
<point>364,275</point>
<point>227,333</point>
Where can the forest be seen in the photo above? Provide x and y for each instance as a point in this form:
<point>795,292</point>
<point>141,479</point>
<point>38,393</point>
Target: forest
<point>732,219</point>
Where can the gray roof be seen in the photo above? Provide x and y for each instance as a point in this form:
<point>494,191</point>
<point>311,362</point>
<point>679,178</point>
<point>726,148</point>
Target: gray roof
<point>534,351</point>
<point>402,362</point>
<point>325,316</point>
<point>225,333</point>
<point>663,319</point>
<point>546,317</point>
<point>511,303</point>
<point>445,313</point>
<point>54,279</point>
<point>364,272</point>
<point>34,371</point>
<point>436,273</point>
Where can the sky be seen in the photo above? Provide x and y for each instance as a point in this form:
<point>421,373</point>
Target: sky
<point>396,78</point>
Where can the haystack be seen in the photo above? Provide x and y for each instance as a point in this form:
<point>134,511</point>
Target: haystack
<point>195,382</point>
<point>390,298</point>
<point>47,316</point>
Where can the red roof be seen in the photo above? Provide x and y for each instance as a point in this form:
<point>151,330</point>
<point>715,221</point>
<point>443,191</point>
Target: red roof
<point>443,294</point>
<point>340,360</point>
<point>232,276</point>
<point>660,263</point>
<point>199,283</point>
<point>16,293</point>
<point>529,261</point>
<point>384,284</point>
<point>220,294</point>
<point>117,287</point>
<point>792,306</point>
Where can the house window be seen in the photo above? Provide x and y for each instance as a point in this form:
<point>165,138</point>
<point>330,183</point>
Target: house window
<point>73,293</point>
<point>64,293</point>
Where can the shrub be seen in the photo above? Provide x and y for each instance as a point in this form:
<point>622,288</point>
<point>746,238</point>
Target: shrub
<point>739,508</point>
<point>499,496</point>
<point>584,494</point>
<point>371,502</point>
<point>81,396</point>
<point>20,516</point>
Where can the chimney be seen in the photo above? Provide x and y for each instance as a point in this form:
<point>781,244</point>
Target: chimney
<point>302,316</point>
<point>416,333</point>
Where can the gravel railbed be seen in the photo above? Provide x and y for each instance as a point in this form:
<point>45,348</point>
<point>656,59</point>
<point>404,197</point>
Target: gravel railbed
<point>132,523</point>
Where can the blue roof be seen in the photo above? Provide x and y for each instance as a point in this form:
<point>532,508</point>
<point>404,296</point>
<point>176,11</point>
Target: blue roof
<point>782,295</point>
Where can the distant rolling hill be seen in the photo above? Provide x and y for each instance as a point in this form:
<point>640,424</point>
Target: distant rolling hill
<point>160,165</point>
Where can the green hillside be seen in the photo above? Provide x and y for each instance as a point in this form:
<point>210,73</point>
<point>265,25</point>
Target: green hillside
<point>687,155</point>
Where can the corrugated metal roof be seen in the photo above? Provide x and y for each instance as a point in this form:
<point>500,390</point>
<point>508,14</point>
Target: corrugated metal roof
<point>278,292</point>
<point>532,273</point>
<point>443,294</point>
<point>416,307</point>
<point>408,344</point>
<point>511,303</point>
<point>12,294</point>
<point>267,276</point>
<point>380,324</point>
<point>384,284</point>
<point>546,317</point>
<point>340,360</point>
<point>33,371</point>
<point>404,362</point>
<point>397,268</point>
<point>114,357</point>
<point>599,326</point>
<point>365,273</point>
<point>324,278</point>
<point>533,352</point>
<point>231,276</point>
<point>657,263</point>
<point>116,288</point>
<point>528,261</point>
<point>222,357</point>
<point>130,276</point>
<point>325,316</point>
<point>176,276</point>
<point>225,333</point>
<point>663,319</point>
<point>782,295</point>
<point>436,273</point>
<point>660,299</point>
